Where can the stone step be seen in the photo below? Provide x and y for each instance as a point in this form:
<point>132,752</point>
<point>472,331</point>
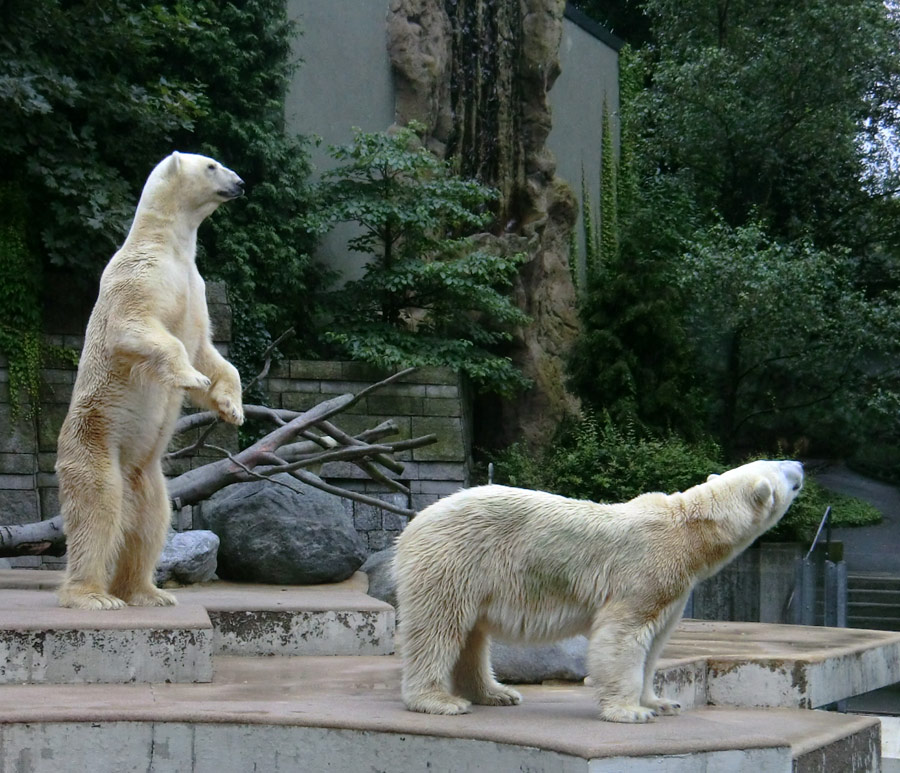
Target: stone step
<point>43,643</point>
<point>873,582</point>
<point>874,609</point>
<point>330,619</point>
<point>344,713</point>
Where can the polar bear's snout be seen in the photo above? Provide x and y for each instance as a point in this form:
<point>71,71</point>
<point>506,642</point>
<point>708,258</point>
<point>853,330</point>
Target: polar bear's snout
<point>235,187</point>
<point>793,472</point>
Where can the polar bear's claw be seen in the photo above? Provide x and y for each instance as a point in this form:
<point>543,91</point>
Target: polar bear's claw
<point>499,695</point>
<point>194,380</point>
<point>74,599</point>
<point>153,598</point>
<point>663,707</point>
<point>629,714</point>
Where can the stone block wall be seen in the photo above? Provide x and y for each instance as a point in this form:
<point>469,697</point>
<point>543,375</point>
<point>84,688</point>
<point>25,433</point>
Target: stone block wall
<point>430,400</point>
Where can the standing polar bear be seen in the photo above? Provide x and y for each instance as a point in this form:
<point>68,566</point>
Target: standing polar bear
<point>532,567</point>
<point>147,342</point>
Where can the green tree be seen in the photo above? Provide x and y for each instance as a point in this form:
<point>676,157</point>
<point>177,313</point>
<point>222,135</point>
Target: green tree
<point>92,95</point>
<point>763,103</point>
<point>430,295</point>
<point>785,337</point>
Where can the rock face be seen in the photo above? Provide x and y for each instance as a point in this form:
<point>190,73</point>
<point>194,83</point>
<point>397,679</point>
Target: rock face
<point>379,568</point>
<point>188,557</point>
<point>273,534</point>
<point>477,74</point>
<point>523,664</point>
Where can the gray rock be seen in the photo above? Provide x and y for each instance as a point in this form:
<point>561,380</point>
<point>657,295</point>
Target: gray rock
<point>188,557</point>
<point>272,534</point>
<point>532,664</point>
<point>380,569</point>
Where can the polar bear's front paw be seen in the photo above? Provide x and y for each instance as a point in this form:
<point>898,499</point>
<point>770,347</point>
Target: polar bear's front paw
<point>193,379</point>
<point>662,706</point>
<point>498,695</point>
<point>626,713</point>
<point>437,703</point>
<point>229,410</point>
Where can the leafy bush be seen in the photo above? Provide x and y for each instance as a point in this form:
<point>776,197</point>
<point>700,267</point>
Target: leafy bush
<point>593,459</point>
<point>802,520</point>
<point>429,294</point>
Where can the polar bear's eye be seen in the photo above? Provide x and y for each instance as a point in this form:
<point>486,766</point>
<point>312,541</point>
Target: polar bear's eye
<point>211,166</point>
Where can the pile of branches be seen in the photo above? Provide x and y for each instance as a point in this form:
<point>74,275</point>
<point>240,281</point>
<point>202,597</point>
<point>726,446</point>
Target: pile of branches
<point>298,446</point>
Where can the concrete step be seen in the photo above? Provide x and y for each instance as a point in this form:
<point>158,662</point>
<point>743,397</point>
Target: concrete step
<point>873,596</point>
<point>870,609</point>
<point>235,619</point>
<point>43,643</point>
<point>344,713</point>
<point>873,582</point>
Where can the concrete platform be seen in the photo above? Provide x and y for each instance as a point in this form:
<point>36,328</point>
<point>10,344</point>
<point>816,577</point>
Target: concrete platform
<point>330,619</point>
<point>764,664</point>
<point>41,642</point>
<point>344,714</point>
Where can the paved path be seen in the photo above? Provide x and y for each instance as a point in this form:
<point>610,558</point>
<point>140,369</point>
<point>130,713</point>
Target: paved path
<point>876,548</point>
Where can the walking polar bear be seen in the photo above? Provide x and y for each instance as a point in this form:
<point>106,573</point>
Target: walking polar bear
<point>532,567</point>
<point>147,342</point>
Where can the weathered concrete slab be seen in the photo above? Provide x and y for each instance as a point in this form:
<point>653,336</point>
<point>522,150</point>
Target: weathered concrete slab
<point>43,643</point>
<point>344,713</point>
<point>329,619</point>
<point>763,664</point>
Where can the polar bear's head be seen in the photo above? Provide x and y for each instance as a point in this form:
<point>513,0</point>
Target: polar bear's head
<point>191,184</point>
<point>768,487</point>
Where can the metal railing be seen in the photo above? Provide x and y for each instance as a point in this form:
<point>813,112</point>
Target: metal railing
<point>834,583</point>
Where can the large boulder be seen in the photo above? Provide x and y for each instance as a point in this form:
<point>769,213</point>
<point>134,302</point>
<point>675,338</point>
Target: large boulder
<point>283,534</point>
<point>380,569</point>
<point>524,664</point>
<point>188,557</point>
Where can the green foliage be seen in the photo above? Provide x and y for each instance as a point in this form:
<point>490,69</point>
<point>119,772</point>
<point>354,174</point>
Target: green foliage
<point>782,331</point>
<point>429,294</point>
<point>632,359</point>
<point>92,97</point>
<point>20,334</point>
<point>803,519</point>
<point>778,93</point>
<point>595,459</point>
<point>609,189</point>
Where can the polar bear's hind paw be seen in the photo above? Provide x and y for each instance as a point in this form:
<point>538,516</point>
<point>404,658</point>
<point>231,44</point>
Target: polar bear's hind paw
<point>629,714</point>
<point>499,695</point>
<point>438,703</point>
<point>663,707</point>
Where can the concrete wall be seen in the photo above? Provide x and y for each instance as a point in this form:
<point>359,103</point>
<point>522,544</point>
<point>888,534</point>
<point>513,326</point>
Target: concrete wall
<point>345,80</point>
<point>432,400</point>
<point>587,87</point>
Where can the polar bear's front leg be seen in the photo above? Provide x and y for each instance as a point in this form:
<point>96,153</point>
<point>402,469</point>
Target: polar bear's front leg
<point>224,394</point>
<point>616,657</point>
<point>668,622</point>
<point>159,355</point>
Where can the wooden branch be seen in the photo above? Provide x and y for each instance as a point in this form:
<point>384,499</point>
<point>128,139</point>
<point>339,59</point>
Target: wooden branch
<point>279,451</point>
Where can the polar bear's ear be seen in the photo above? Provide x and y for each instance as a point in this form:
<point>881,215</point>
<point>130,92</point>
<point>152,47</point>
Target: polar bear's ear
<point>763,492</point>
<point>174,163</point>
<point>712,476</point>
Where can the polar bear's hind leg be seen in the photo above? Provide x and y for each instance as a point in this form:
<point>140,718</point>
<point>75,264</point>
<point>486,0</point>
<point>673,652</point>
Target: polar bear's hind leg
<point>474,678</point>
<point>91,497</point>
<point>146,515</point>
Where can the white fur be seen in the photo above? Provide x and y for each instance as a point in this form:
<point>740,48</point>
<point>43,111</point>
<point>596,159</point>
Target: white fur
<point>147,341</point>
<point>527,566</point>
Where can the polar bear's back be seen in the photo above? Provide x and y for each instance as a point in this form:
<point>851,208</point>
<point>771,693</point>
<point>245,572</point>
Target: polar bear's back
<point>529,563</point>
